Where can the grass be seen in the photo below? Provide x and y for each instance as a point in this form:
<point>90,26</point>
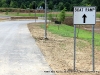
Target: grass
<point>43,14</point>
<point>33,14</point>
<point>68,31</point>
<point>26,14</point>
<point>98,15</point>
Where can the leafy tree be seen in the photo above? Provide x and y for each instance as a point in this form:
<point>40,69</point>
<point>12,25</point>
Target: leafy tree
<point>14,4</point>
<point>84,2</point>
<point>33,5</point>
<point>67,5</point>
<point>50,5</point>
<point>23,6</point>
<point>0,3</point>
<point>50,16</point>
<point>8,2</point>
<point>18,11</point>
<point>61,6</point>
<point>62,15</point>
<point>4,5</point>
<point>6,12</point>
<point>27,4</point>
<point>42,4</point>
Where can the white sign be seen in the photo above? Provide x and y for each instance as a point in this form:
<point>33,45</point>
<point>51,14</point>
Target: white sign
<point>84,15</point>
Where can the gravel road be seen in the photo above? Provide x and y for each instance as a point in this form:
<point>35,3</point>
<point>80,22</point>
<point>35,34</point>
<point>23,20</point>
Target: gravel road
<point>19,54</point>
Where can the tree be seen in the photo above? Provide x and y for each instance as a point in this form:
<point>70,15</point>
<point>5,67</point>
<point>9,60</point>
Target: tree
<point>42,4</point>
<point>8,2</point>
<point>50,5</point>
<point>84,2</point>
<point>61,6</point>
<point>4,5</point>
<point>67,5</point>
<point>27,4</point>
<point>50,16</point>
<point>33,5</point>
<point>0,3</point>
<point>23,6</point>
<point>14,4</point>
<point>62,15</point>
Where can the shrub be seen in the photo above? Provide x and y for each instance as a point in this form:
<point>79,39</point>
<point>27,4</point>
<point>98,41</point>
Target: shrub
<point>62,15</point>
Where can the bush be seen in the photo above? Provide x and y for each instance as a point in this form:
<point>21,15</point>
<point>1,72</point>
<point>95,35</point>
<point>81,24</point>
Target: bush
<point>62,15</point>
<point>50,16</point>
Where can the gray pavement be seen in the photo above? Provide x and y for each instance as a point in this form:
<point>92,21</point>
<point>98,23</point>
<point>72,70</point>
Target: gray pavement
<point>19,54</point>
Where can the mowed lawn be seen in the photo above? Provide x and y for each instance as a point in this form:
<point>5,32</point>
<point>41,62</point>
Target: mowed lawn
<point>68,31</point>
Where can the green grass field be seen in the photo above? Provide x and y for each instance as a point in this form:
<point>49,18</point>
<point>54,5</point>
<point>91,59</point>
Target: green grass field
<point>68,31</point>
<point>26,14</point>
<point>33,14</point>
<point>23,14</point>
<point>54,14</point>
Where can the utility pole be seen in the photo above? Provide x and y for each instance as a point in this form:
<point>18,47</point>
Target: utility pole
<point>45,19</point>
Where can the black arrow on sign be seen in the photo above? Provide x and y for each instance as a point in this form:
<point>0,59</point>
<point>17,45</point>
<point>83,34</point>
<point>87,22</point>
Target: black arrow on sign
<point>84,18</point>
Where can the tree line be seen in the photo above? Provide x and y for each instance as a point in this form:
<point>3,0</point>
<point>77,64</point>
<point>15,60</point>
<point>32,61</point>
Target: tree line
<point>52,4</point>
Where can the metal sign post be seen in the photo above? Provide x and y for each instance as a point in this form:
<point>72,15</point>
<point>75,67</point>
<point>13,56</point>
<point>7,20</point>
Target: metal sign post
<point>74,46</point>
<point>84,16</point>
<point>93,58</point>
<point>45,19</point>
<point>35,11</point>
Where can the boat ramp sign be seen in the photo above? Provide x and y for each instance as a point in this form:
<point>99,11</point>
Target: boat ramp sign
<point>84,15</point>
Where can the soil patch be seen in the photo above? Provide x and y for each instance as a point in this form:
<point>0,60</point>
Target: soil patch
<point>1,19</point>
<point>58,52</point>
<point>24,18</point>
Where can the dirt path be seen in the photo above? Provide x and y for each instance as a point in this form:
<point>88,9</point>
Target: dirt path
<point>58,52</point>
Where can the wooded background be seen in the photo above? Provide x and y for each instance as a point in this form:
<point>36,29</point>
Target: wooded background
<point>52,4</point>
